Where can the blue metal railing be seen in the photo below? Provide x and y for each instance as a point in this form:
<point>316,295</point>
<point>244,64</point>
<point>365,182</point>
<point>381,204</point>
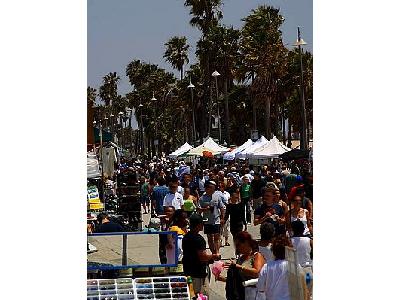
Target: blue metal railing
<point>124,264</point>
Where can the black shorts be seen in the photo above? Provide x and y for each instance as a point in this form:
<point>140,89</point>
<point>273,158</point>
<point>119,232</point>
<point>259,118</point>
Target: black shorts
<point>145,199</point>
<point>211,229</point>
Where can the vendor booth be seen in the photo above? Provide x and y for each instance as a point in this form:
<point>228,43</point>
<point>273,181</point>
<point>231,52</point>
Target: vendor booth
<point>232,154</point>
<point>272,149</point>
<point>180,151</point>
<point>249,150</point>
<point>209,146</point>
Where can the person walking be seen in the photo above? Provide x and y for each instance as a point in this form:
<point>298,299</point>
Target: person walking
<point>179,225</point>
<point>235,213</point>
<point>248,266</point>
<point>212,207</point>
<point>273,282</point>
<point>245,193</point>
<point>189,202</point>
<point>195,257</point>
<point>267,233</point>
<point>144,194</point>
<point>173,198</point>
<point>270,212</point>
<point>298,213</point>
<point>157,197</point>
<point>303,244</point>
<point>225,199</point>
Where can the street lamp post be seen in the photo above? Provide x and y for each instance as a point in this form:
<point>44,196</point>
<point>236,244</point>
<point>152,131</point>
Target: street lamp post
<point>120,114</point>
<point>154,99</point>
<point>215,74</point>
<point>304,139</point>
<point>141,129</point>
<point>191,87</point>
<point>128,118</point>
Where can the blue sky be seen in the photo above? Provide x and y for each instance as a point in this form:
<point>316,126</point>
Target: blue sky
<point>122,30</point>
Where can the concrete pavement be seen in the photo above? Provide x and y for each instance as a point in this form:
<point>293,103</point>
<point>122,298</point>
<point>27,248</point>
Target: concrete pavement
<point>143,249</point>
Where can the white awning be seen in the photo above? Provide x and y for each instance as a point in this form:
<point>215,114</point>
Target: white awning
<point>271,150</point>
<point>249,150</point>
<point>181,150</point>
<point>231,154</point>
<point>210,146</point>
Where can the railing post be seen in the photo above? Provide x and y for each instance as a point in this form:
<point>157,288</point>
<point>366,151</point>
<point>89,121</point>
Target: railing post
<point>124,250</point>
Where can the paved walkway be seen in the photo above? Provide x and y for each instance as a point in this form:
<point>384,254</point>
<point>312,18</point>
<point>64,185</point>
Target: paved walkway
<point>143,249</point>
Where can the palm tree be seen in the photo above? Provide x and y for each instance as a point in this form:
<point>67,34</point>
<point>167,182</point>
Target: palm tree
<point>206,13</point>
<point>91,95</point>
<point>176,53</point>
<point>109,89</point>
<point>223,43</point>
<point>263,57</point>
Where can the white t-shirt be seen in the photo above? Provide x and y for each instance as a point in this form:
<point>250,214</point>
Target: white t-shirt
<point>273,282</point>
<point>303,249</point>
<point>201,184</point>
<point>225,196</point>
<point>266,251</point>
<point>181,190</point>
<point>175,200</point>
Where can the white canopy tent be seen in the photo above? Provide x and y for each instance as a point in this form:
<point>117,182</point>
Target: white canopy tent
<point>181,150</point>
<point>93,170</point>
<point>231,154</point>
<point>249,150</point>
<point>270,150</point>
<point>210,146</point>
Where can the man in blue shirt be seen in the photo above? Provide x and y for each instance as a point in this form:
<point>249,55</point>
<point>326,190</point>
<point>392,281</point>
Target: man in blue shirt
<point>158,195</point>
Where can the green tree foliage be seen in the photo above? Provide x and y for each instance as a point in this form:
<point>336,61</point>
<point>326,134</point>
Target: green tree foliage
<point>259,77</point>
<point>91,95</point>
<point>109,89</point>
<point>176,53</point>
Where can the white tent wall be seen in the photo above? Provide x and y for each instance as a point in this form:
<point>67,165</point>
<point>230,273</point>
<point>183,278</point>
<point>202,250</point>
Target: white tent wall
<point>232,154</point>
<point>272,149</point>
<point>256,145</point>
<point>208,145</point>
<point>180,151</point>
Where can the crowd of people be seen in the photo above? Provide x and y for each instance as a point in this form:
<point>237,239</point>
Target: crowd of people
<point>223,201</point>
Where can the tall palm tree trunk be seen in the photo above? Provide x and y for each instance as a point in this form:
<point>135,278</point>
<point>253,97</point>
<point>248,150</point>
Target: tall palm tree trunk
<point>283,126</point>
<point>227,120</point>
<point>253,101</point>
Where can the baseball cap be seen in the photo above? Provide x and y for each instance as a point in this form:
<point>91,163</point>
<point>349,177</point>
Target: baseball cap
<point>210,182</point>
<point>196,219</point>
